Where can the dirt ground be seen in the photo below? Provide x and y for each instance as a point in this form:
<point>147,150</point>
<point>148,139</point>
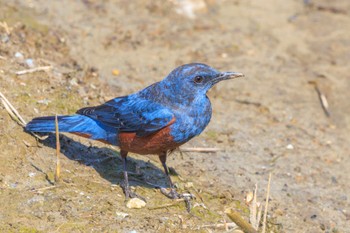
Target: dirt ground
<point>271,121</point>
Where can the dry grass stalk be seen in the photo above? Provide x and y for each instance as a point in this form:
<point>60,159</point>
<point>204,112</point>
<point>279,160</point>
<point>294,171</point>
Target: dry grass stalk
<point>58,147</point>
<point>6,28</point>
<point>237,219</point>
<point>15,115</point>
<point>255,210</point>
<point>259,217</point>
<point>322,98</point>
<point>44,188</point>
<point>226,226</point>
<point>12,111</point>
<point>255,207</point>
<point>36,69</point>
<point>266,204</point>
<point>324,103</point>
<point>175,203</point>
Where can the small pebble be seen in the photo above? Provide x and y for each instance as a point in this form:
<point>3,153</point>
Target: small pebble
<point>189,185</point>
<point>135,203</point>
<point>290,147</point>
<point>121,215</point>
<point>249,197</point>
<point>19,55</point>
<point>224,55</point>
<point>30,63</point>
<point>73,82</point>
<point>115,72</point>
<point>163,219</point>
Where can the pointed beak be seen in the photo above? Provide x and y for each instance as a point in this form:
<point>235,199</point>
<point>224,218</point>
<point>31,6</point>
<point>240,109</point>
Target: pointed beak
<point>227,75</point>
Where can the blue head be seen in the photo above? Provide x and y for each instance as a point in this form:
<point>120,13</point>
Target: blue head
<point>192,81</point>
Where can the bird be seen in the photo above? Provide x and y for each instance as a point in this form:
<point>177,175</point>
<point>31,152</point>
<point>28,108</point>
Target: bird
<point>154,120</point>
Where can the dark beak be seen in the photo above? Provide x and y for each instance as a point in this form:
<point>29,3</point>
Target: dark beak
<point>227,75</point>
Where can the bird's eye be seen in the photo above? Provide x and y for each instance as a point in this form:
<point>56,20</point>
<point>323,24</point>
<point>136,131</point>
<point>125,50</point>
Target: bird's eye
<point>198,79</point>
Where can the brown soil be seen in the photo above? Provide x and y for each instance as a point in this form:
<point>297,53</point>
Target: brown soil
<point>272,121</point>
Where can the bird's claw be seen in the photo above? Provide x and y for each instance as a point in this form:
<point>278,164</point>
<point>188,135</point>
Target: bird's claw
<point>187,197</point>
<point>130,194</point>
<point>134,195</point>
<point>172,194</point>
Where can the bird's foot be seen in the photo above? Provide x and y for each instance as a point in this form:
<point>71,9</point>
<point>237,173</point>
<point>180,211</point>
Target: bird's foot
<point>172,194</point>
<point>130,194</point>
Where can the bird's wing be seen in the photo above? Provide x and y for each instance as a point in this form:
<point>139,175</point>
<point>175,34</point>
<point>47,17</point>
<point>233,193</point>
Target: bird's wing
<point>137,115</point>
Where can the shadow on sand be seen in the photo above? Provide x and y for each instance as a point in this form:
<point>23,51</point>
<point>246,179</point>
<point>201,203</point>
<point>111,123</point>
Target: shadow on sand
<point>108,163</point>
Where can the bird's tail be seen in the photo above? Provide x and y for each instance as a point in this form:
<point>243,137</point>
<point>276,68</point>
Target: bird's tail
<point>78,124</point>
<point>70,123</point>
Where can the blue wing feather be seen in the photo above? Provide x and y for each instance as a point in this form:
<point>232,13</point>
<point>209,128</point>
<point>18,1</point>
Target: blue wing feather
<point>131,114</point>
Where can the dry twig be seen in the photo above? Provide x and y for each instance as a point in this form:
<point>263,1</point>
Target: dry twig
<point>6,27</point>
<point>12,111</point>
<point>322,98</point>
<point>237,218</point>
<point>226,226</point>
<point>44,188</point>
<point>255,210</point>
<point>36,69</point>
<point>58,147</point>
<point>266,204</point>
<point>15,115</point>
<point>175,203</point>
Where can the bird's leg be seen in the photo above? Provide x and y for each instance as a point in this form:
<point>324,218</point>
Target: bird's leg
<point>172,194</point>
<point>125,184</point>
<point>128,193</point>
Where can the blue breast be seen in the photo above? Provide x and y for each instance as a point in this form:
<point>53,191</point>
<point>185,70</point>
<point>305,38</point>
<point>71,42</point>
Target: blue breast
<point>191,120</point>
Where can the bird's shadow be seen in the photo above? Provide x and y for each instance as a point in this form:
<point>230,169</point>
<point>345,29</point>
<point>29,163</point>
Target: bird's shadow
<point>108,163</point>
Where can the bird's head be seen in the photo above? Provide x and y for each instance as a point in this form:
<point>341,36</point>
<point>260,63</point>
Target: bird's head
<point>196,79</point>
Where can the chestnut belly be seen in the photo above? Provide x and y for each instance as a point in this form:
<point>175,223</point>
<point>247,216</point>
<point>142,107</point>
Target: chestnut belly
<point>155,143</point>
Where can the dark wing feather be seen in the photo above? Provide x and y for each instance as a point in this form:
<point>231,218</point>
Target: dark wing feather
<point>131,114</point>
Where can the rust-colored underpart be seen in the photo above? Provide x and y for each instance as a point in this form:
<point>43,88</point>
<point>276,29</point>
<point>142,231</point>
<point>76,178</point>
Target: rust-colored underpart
<point>155,143</point>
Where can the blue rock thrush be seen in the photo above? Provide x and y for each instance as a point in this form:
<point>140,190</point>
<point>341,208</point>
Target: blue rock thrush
<point>155,120</point>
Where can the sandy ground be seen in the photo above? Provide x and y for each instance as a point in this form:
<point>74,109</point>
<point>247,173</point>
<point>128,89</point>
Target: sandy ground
<point>271,121</point>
